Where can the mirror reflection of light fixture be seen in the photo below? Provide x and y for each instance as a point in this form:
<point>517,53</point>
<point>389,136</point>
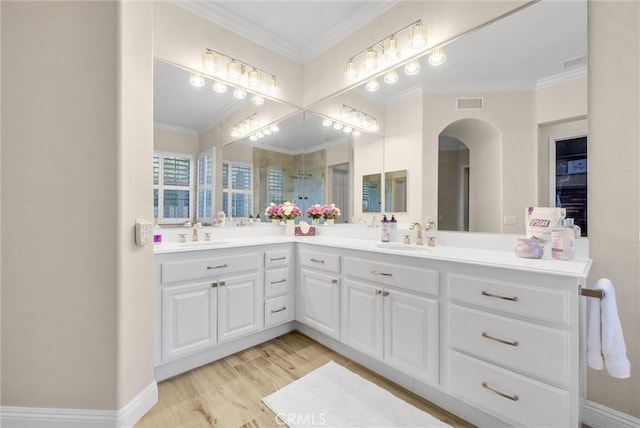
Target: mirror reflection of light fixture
<point>337,126</point>
<point>372,85</point>
<point>267,131</point>
<point>391,77</point>
<point>234,71</point>
<point>272,88</point>
<point>210,61</point>
<point>196,80</point>
<point>437,56</point>
<point>257,100</point>
<point>417,35</point>
<point>219,87</point>
<point>351,71</point>
<point>370,60</point>
<point>254,79</point>
<point>356,132</point>
<point>390,48</point>
<point>239,94</point>
<point>274,128</point>
<point>261,133</point>
<point>412,67</point>
<point>347,130</point>
<point>345,112</point>
<point>357,119</point>
<point>327,122</point>
<point>253,138</point>
<point>245,126</point>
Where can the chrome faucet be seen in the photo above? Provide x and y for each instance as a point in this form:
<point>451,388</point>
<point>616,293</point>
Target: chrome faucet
<point>373,222</point>
<point>194,236</point>
<point>430,225</point>
<point>418,227</point>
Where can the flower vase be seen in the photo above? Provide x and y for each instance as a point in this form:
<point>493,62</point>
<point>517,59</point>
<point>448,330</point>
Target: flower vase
<point>328,221</point>
<point>275,222</point>
<point>315,221</point>
<point>290,227</point>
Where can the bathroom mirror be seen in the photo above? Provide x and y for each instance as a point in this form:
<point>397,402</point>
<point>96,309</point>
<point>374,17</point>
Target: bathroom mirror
<point>395,191</point>
<point>372,193</point>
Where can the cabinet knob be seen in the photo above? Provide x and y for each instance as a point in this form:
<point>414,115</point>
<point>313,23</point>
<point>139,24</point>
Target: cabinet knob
<point>214,284</point>
<point>385,293</point>
<point>334,281</point>
<point>378,292</point>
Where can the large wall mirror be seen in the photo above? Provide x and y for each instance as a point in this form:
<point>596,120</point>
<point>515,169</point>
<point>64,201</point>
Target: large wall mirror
<point>469,136</point>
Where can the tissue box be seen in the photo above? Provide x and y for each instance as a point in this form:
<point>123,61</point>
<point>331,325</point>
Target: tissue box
<point>577,166</point>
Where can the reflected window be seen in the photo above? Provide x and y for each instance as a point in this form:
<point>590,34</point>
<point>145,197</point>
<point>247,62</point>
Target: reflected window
<point>571,179</point>
<point>275,186</point>
<point>172,187</point>
<point>237,188</point>
<point>204,189</point>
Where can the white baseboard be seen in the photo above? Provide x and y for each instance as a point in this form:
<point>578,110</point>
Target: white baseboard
<point>71,418</point>
<point>598,416</point>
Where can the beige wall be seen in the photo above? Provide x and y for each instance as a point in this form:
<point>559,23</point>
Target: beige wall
<point>368,149</point>
<point>450,163</point>
<point>562,101</point>
<point>614,182</point>
<point>173,141</point>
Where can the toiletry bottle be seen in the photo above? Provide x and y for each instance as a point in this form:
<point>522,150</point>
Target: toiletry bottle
<point>563,242</point>
<point>157,234</point>
<point>257,219</point>
<point>250,220</point>
<point>384,234</point>
<point>393,223</point>
<point>576,228</point>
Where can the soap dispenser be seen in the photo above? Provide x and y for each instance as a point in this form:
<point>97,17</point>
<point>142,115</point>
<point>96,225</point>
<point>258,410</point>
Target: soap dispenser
<point>563,241</point>
<point>384,233</point>
<point>393,223</point>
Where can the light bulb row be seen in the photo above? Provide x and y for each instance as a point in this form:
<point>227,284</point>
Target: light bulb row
<point>261,133</point>
<point>246,126</point>
<point>197,80</point>
<point>337,125</point>
<point>239,72</point>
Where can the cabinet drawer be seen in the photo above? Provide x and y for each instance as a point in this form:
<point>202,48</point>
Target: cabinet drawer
<point>276,282</point>
<point>532,302</point>
<point>527,348</point>
<point>323,261</point>
<point>525,402</point>
<point>277,310</point>
<point>210,267</point>
<point>277,258</point>
<point>410,278</point>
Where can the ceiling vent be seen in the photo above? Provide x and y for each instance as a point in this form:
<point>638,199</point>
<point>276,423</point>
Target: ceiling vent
<point>470,103</point>
<point>572,62</point>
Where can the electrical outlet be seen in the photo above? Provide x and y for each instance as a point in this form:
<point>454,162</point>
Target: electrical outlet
<point>144,232</point>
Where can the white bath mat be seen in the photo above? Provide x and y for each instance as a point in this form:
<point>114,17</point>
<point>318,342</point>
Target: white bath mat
<point>333,396</point>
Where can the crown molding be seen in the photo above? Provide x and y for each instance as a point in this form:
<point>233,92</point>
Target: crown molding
<point>566,76</point>
<point>174,128</point>
<point>221,16</point>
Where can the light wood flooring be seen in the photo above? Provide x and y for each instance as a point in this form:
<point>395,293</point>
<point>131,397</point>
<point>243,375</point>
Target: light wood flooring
<point>228,392</point>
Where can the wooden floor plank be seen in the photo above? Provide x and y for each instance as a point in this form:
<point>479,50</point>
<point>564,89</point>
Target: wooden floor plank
<point>228,393</point>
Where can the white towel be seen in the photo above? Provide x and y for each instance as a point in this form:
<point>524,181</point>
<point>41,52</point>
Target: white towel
<point>605,342</point>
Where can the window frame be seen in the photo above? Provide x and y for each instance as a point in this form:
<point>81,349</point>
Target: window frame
<point>206,187</point>
<point>229,191</point>
<point>161,187</point>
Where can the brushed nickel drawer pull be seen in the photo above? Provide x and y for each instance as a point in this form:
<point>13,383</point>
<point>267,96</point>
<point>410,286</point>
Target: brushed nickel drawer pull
<point>221,283</point>
<point>378,292</point>
<point>278,310</point>
<point>511,397</point>
<point>375,272</point>
<point>317,261</point>
<point>214,284</point>
<point>278,282</point>
<point>506,342</point>
<point>334,281</point>
<point>497,296</point>
<point>218,267</point>
<point>278,258</point>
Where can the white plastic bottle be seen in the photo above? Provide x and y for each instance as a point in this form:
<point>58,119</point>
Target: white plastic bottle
<point>576,228</point>
<point>563,242</point>
<point>384,233</point>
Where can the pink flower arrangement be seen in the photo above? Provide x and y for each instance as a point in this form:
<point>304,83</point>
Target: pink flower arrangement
<point>287,211</point>
<point>330,211</point>
<point>316,211</point>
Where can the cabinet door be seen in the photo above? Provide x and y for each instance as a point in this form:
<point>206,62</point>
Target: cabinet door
<point>240,306</point>
<point>189,316</point>
<point>362,320</point>
<point>319,302</point>
<point>411,334</point>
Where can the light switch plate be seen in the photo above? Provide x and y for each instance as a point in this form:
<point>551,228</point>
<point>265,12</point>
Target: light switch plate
<point>144,232</point>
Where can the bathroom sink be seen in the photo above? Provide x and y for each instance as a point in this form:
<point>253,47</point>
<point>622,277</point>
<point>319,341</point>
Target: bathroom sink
<point>401,247</point>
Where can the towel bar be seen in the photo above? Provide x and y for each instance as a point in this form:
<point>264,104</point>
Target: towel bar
<point>598,294</point>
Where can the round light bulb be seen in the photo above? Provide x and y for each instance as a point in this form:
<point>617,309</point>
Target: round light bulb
<point>391,77</point>
<point>356,132</point>
<point>274,128</point>
<point>259,134</point>
<point>418,35</point>
<point>337,126</point>
<point>351,72</point>
<point>412,67</point>
<point>239,94</point>
<point>390,48</point>
<point>372,85</point>
<point>347,130</point>
<point>219,87</point>
<point>327,122</point>
<point>257,100</point>
<point>370,60</point>
<point>196,80</point>
<point>253,138</point>
<point>437,57</point>
<point>267,131</point>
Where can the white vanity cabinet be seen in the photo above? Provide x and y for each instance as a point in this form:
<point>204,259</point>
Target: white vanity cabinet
<point>205,298</point>
<point>390,312</point>
<point>318,298</point>
<point>278,286</point>
<point>513,347</point>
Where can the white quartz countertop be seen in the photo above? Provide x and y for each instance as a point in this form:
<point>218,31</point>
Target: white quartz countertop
<point>578,267</point>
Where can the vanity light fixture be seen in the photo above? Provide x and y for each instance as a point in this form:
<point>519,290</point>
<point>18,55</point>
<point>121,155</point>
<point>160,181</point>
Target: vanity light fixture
<point>240,72</point>
<point>257,100</point>
<point>219,87</point>
<point>245,126</point>
<point>372,85</point>
<point>391,77</point>
<point>412,67</point>
<point>239,94</point>
<point>196,80</point>
<point>437,56</point>
<point>414,34</point>
<point>360,119</point>
<point>261,133</point>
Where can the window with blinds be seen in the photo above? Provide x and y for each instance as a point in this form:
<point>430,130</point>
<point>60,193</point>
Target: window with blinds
<point>205,186</point>
<point>172,187</point>
<point>237,189</point>
<point>275,186</point>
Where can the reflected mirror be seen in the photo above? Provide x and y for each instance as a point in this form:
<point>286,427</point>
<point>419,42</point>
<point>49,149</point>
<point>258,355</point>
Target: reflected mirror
<point>372,193</point>
<point>395,191</point>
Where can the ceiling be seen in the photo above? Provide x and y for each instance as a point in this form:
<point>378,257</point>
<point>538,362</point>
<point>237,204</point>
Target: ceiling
<point>521,52</point>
